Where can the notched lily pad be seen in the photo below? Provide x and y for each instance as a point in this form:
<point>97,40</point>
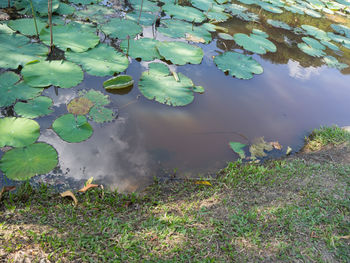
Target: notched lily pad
<point>80,106</point>
<point>144,48</point>
<point>26,26</point>
<point>118,82</point>
<point>121,29</point>
<point>97,97</point>
<point>186,13</point>
<point>256,42</point>
<point>101,114</point>
<point>21,164</point>
<point>34,108</point>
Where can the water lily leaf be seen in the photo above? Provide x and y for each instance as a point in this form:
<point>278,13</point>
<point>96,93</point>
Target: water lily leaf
<point>65,9</point>
<point>206,5</point>
<point>237,147</point>
<point>186,13</point>
<point>118,82</point>
<point>144,48</point>
<point>40,6</point>
<point>238,65</point>
<point>80,106</point>
<point>180,53</point>
<point>4,29</point>
<point>21,164</point>
<point>97,97</point>
<point>341,29</point>
<point>312,13</point>
<point>95,13</point>
<point>58,73</point>
<point>84,2</point>
<point>310,50</point>
<point>117,28</point>
<point>165,89</point>
<point>279,24</point>
<point>12,90</point>
<point>213,28</point>
<point>147,6</point>
<point>72,128</point>
<point>71,195</point>
<point>16,50</point>
<point>18,132</point>
<point>258,148</point>
<point>217,16</point>
<point>313,43</point>
<point>260,33</point>
<point>254,43</point>
<point>158,69</point>
<point>102,60</point>
<point>26,26</point>
<point>225,36</point>
<point>4,4</point>
<point>176,29</point>
<point>34,108</point>
<point>146,19</point>
<point>340,39</point>
<point>101,114</point>
<point>332,62</point>
<point>270,8</point>
<point>295,8</point>
<point>241,12</point>
<point>198,89</point>
<point>79,40</point>
<point>330,45</point>
<point>315,32</point>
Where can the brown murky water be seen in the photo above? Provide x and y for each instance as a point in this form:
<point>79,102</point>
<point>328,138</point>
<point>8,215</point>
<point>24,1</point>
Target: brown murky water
<point>294,95</point>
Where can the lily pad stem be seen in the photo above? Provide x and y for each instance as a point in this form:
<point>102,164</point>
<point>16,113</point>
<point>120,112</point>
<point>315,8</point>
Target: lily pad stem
<point>138,20</point>
<point>49,6</point>
<point>34,18</point>
<point>127,51</point>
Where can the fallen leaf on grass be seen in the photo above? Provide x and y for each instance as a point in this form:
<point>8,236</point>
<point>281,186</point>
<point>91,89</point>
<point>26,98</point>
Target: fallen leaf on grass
<point>344,237</point>
<point>203,183</point>
<point>87,187</point>
<point>276,145</point>
<point>71,195</point>
<point>6,189</point>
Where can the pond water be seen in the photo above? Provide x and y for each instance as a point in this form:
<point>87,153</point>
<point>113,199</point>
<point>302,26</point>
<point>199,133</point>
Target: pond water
<point>295,94</point>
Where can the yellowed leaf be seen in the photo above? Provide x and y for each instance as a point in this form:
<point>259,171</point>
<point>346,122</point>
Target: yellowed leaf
<point>203,183</point>
<point>89,181</point>
<point>289,150</point>
<point>276,145</point>
<point>80,106</point>
<point>71,195</point>
<point>87,187</point>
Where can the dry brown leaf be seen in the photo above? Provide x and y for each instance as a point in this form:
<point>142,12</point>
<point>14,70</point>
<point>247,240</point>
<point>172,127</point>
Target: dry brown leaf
<point>258,148</point>
<point>87,187</point>
<point>71,195</point>
<point>344,237</point>
<point>276,145</point>
<point>6,189</point>
<point>203,183</point>
<point>80,106</point>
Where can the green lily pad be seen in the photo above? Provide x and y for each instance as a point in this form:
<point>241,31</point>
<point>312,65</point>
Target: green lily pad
<point>16,50</point>
<point>238,65</point>
<point>102,60</point>
<point>21,164</point>
<point>217,16</point>
<point>339,39</point>
<point>255,43</point>
<point>237,147</point>
<point>315,32</point>
<point>147,6</point>
<point>206,5</point>
<point>101,114</point>
<point>34,108</point>
<point>146,19</point>
<point>11,89</point>
<point>180,53</point>
<point>186,13</point>
<point>332,62</point>
<point>95,13</point>
<point>84,2</point>
<point>72,128</point>
<point>158,69</point>
<point>58,73</point>
<point>313,43</point>
<point>4,29</point>
<point>26,26</point>
<point>312,13</point>
<point>80,106</point>
<point>97,97</point>
<point>65,9</point>
<point>4,4</point>
<point>144,48</point>
<point>279,24</point>
<point>118,82</point>
<point>79,40</point>
<point>198,89</point>
<point>341,29</point>
<point>270,8</point>
<point>40,6</point>
<point>311,50</point>
<point>155,85</point>
<point>241,12</point>
<point>295,8</point>
<point>18,132</point>
<point>225,36</point>
<point>330,45</point>
<point>118,28</point>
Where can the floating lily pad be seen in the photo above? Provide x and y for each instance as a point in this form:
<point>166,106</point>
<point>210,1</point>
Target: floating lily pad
<point>65,9</point>
<point>180,53</point>
<point>80,106</point>
<point>332,62</point>
<point>186,13</point>
<point>155,85</point>
<point>315,32</point>
<point>102,60</point>
<point>95,13</point>
<point>58,73</point>
<point>97,97</point>
<point>18,132</point>
<point>270,8</point>
<point>118,28</point>
<point>158,69</point>
<point>72,128</point>
<point>146,19</point>
<point>147,6</point>
<point>312,13</point>
<point>4,29</point>
<point>254,43</point>
<point>313,43</point>
<point>17,50</point>
<point>237,147</point>
<point>329,45</point>
<point>217,16</point>
<point>238,65</point>
<point>198,89</point>
<point>101,114</point>
<point>225,36</point>
<point>26,26</point>
<point>118,82</point>
<point>11,89</point>
<point>241,12</point>
<point>79,40</point>
<point>34,108</point>
<point>84,2</point>
<point>340,39</point>
<point>4,4</point>
<point>341,29</point>
<point>40,6</point>
<point>144,48</point>
<point>311,50</point>
<point>206,5</point>
<point>279,24</point>
<point>21,164</point>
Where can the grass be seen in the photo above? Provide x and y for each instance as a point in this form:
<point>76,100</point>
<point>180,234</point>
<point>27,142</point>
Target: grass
<point>282,211</point>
